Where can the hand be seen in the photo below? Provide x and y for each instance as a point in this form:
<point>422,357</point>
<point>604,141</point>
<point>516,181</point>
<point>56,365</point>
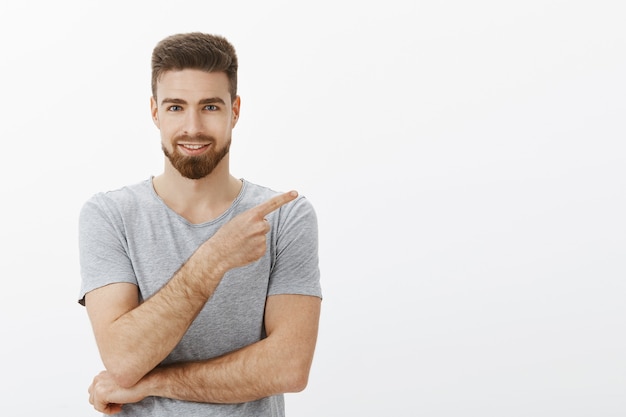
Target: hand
<point>243,239</point>
<point>108,397</point>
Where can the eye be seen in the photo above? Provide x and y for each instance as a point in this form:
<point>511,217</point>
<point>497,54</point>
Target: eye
<point>174,107</point>
<point>211,107</point>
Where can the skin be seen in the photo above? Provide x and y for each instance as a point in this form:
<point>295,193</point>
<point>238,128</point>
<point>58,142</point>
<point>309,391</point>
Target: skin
<point>134,338</point>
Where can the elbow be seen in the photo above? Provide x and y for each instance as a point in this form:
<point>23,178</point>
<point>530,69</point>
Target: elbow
<point>125,379</point>
<point>123,375</point>
<point>296,377</point>
<point>298,384</point>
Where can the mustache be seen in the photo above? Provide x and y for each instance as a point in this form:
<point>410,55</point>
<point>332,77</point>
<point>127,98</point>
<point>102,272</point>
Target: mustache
<point>198,137</point>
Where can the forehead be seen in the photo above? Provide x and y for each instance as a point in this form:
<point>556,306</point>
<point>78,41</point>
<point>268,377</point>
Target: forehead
<point>193,84</point>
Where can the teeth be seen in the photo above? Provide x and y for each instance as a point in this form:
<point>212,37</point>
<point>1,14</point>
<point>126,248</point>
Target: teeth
<point>193,146</point>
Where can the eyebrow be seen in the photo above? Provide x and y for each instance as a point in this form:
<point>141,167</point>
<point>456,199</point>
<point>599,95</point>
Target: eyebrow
<point>209,100</point>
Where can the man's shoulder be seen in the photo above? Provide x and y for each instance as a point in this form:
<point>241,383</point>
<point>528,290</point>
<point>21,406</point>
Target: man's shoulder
<point>132,191</point>
<point>121,199</point>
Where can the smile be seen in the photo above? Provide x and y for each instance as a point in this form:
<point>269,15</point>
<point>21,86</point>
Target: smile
<point>193,149</point>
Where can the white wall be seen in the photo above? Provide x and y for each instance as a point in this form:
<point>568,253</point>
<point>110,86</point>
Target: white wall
<point>466,159</point>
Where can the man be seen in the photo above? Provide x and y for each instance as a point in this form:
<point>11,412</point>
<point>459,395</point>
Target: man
<point>202,289</point>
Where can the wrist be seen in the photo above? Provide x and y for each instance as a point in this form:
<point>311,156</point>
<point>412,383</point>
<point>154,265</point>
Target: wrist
<point>215,261</point>
<point>167,381</point>
<point>152,384</point>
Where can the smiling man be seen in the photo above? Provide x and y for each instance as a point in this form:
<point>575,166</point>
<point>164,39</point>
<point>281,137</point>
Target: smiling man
<point>202,289</point>
<point>193,149</point>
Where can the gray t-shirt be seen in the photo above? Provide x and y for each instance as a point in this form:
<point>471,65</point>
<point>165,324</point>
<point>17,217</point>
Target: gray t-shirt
<point>131,235</point>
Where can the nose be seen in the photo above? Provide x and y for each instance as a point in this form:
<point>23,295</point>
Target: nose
<point>193,123</point>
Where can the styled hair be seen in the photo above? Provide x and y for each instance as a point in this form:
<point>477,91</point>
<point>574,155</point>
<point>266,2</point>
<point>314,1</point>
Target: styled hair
<point>195,50</point>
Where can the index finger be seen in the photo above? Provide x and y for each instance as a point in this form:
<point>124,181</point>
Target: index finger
<point>276,202</point>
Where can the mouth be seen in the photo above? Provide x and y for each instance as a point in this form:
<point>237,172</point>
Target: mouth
<point>193,149</point>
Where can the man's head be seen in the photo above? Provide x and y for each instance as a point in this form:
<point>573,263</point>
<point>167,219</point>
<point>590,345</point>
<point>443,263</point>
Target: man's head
<point>194,101</point>
<point>201,51</point>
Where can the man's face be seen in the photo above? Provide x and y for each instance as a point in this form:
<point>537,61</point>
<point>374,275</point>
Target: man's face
<point>195,114</point>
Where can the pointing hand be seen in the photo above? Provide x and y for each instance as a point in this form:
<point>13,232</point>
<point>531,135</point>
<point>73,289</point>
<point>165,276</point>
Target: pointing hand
<point>243,239</point>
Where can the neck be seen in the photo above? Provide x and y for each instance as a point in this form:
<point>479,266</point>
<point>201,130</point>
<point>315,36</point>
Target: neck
<point>199,200</point>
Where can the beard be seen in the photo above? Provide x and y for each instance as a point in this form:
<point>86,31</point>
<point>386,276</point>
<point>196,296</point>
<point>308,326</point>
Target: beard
<point>196,167</point>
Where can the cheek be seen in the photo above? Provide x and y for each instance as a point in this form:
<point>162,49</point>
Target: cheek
<point>167,136</point>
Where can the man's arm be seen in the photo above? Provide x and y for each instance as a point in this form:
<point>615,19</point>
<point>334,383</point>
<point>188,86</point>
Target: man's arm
<point>133,338</point>
<point>277,364</point>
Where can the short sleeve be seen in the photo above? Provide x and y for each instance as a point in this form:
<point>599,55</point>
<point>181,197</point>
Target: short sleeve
<point>103,248</point>
<point>296,265</point>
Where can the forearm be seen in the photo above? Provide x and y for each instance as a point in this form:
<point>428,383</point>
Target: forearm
<point>248,374</point>
<point>232,378</point>
<point>279,363</point>
<point>137,341</point>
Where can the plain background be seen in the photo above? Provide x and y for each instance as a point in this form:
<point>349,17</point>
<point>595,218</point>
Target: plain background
<point>466,160</point>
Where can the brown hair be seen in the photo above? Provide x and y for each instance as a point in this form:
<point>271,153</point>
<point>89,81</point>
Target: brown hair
<point>211,53</point>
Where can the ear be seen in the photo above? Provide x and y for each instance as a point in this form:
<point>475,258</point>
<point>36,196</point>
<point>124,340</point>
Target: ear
<point>235,110</point>
<point>154,111</point>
